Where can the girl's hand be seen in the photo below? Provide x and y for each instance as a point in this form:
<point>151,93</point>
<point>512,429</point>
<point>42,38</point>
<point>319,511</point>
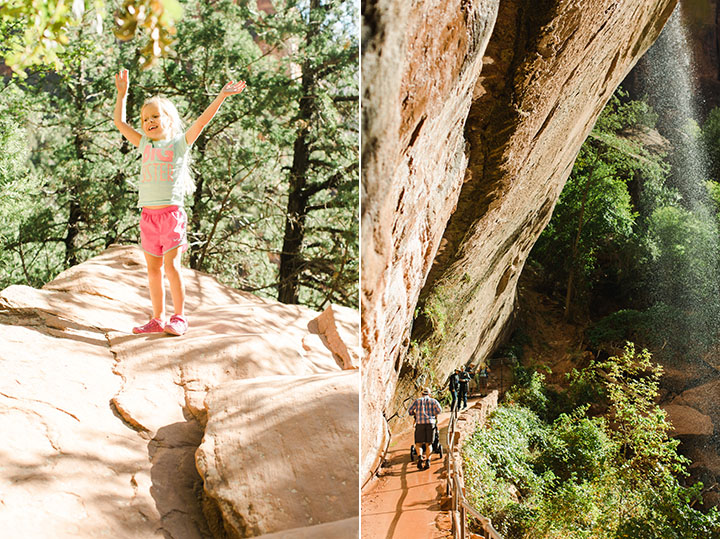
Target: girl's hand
<point>232,88</point>
<point>198,125</point>
<point>122,82</point>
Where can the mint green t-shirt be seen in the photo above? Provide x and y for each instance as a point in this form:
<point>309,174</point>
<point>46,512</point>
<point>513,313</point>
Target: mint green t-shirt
<point>165,167</point>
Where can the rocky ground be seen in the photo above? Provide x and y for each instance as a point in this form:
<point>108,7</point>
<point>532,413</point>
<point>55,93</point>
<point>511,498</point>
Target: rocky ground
<point>246,426</point>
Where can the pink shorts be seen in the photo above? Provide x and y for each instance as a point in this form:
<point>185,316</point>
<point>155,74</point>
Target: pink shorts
<point>163,230</point>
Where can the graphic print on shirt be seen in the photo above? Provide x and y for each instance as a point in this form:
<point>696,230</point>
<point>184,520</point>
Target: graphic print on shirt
<point>157,164</point>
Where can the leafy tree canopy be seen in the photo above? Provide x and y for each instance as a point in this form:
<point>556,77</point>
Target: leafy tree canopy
<point>37,32</point>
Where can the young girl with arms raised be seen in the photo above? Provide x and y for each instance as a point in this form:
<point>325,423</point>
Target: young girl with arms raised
<point>164,180</point>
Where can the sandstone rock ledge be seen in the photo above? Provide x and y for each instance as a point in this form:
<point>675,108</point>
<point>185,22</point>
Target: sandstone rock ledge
<point>100,427</point>
<point>264,457</point>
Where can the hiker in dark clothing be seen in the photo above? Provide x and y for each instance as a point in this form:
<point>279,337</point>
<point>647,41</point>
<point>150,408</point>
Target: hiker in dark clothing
<point>454,385</point>
<point>463,386</point>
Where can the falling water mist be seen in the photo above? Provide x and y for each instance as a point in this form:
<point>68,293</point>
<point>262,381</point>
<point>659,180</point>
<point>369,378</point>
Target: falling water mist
<point>690,289</point>
<point>692,282</point>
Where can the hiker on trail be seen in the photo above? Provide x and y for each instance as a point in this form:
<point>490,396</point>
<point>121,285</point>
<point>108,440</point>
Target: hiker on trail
<point>453,385</point>
<point>164,182</point>
<point>464,384</point>
<point>425,411</point>
<point>483,374</point>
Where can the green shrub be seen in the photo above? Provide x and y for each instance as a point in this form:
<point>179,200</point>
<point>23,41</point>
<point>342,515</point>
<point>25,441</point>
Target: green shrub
<point>582,475</point>
<point>620,327</point>
<point>576,447</point>
<point>529,390</point>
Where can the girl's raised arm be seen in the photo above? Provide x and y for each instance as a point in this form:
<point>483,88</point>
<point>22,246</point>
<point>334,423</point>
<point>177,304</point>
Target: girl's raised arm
<point>121,83</point>
<point>196,128</point>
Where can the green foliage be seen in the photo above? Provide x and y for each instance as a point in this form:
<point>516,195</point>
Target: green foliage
<point>621,113</point>
<point>529,390</point>
<point>684,254</point>
<point>13,138</point>
<point>435,309</point>
<point>647,327</point>
<point>594,222</point>
<point>710,135</point>
<point>316,93</point>
<point>713,189</point>
<point>577,449</point>
<point>18,183</point>
<point>37,33</point>
<point>630,231</point>
<point>156,18</point>
<point>583,475</point>
<point>631,382</point>
<point>513,350</point>
<point>499,460</point>
<point>420,358</point>
<point>619,327</point>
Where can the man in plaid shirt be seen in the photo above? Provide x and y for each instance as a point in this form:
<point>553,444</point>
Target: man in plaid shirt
<point>424,409</point>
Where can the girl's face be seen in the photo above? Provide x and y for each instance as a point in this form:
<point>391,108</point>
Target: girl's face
<point>155,123</point>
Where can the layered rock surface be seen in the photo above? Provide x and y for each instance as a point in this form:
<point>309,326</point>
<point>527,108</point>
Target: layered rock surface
<point>101,426</point>
<point>473,113</point>
<point>419,68</point>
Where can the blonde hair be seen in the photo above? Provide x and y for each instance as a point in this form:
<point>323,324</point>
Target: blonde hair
<point>165,105</point>
<point>177,126</point>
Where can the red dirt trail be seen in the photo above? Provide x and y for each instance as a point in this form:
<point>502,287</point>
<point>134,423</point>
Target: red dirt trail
<point>404,502</point>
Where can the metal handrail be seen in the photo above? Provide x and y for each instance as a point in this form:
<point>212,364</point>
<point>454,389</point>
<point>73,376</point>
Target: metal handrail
<point>456,489</point>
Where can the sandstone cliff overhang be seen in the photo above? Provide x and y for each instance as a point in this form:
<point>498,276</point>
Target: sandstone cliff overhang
<point>101,427</point>
<point>473,113</point>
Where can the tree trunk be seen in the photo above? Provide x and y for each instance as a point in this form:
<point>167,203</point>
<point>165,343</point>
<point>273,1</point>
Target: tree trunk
<point>291,260</point>
<point>75,213</point>
<point>576,243</point>
<point>74,219</point>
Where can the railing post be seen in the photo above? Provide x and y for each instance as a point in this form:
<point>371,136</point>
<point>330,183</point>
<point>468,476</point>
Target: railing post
<point>459,504</point>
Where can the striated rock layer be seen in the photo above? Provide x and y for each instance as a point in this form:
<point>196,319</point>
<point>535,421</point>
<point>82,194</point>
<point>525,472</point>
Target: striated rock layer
<point>473,113</point>
<point>100,426</point>
<point>419,68</point>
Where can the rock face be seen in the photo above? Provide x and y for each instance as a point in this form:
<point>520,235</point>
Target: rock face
<point>473,113</point>
<point>695,415</point>
<point>419,69</point>
<point>688,421</point>
<point>703,18</point>
<point>100,426</point>
<point>701,407</point>
<point>264,454</point>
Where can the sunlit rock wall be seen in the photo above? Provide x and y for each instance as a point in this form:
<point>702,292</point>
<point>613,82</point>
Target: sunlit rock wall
<point>419,69</point>
<point>466,147</point>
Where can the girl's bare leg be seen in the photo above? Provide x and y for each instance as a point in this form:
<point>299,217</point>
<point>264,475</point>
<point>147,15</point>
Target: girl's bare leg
<point>174,275</point>
<point>155,284</point>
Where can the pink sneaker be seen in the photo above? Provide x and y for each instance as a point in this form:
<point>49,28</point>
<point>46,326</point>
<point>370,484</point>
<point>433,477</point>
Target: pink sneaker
<point>154,326</point>
<point>177,325</point>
